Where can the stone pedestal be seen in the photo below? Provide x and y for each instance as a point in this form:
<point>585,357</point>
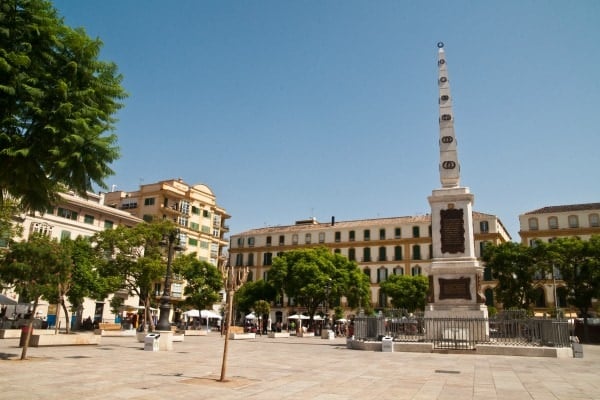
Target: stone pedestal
<point>165,341</point>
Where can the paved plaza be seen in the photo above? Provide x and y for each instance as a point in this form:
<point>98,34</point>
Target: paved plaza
<point>285,368</point>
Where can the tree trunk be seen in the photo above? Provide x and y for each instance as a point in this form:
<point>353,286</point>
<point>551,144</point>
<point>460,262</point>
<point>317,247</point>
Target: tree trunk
<point>29,329</point>
<point>64,307</point>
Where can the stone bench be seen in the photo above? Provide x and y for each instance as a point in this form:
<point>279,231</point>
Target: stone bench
<point>16,333</point>
<point>114,333</point>
<point>106,326</point>
<point>274,335</point>
<point>193,332</point>
<point>72,339</point>
<point>236,336</point>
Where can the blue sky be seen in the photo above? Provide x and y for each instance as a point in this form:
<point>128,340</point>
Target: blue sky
<point>293,109</point>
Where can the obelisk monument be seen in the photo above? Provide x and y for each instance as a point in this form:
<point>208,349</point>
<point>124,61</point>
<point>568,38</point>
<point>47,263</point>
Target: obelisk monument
<point>454,280</point>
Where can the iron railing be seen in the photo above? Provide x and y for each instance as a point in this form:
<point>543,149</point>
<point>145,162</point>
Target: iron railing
<point>464,333</point>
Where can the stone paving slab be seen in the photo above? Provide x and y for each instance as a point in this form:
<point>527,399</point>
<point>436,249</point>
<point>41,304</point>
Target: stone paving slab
<point>285,368</point>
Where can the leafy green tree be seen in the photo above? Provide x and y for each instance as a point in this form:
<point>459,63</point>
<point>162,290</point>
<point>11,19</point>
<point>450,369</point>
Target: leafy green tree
<point>579,264</point>
<point>79,279</point>
<point>203,281</point>
<point>313,276</point>
<point>408,292</point>
<point>9,226</point>
<point>515,267</point>
<point>33,268</point>
<point>135,257</point>
<point>57,102</point>
<point>253,291</point>
<point>262,308</point>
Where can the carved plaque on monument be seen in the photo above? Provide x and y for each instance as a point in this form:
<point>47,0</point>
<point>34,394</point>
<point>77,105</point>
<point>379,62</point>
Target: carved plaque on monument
<point>455,288</point>
<point>452,231</point>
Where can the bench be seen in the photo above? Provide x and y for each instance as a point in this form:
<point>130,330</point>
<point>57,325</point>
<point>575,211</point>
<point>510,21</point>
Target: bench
<point>107,326</point>
<point>16,333</point>
<point>71,339</point>
<point>236,336</point>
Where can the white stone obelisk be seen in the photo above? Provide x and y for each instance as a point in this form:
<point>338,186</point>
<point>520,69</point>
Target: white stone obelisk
<point>455,271</point>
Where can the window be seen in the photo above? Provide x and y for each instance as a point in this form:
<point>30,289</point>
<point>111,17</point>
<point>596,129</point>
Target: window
<point>489,297</point>
<point>183,221</point>
<point>108,224</point>
<point>250,277</point>
<point>398,271</point>
<point>65,235</point>
<point>415,231</point>
<point>416,252</point>
<point>351,236</point>
<point>397,253</point>
<point>366,254</point>
<point>416,270</point>
<point>295,238</point>
<point>321,237</point>
<point>129,204</point>
<point>148,217</point>
<point>206,213</point>
<point>251,241</point>
<point>338,236</point>
<point>367,234</point>
<point>487,274</point>
<point>482,248</point>
<point>573,221</point>
<point>367,272</point>
<point>553,223</point>
<point>88,219</point>
<point>41,228</point>
<point>268,240</point>
<point>397,233</point>
<point>382,234</point>
<point>594,220</point>
<point>265,275</point>
<point>195,210</point>
<point>68,214</point>
<point>195,226</point>
<point>240,242</point>
<point>239,260</point>
<point>203,244</point>
<point>382,274</point>
<point>337,251</point>
<point>382,298</point>
<point>193,242</point>
<point>307,238</point>
<point>281,240</point>
<point>251,260</point>
<point>149,201</point>
<point>484,226</point>
<point>382,255</point>
<point>533,224</point>
<point>352,254</point>
<point>267,258</point>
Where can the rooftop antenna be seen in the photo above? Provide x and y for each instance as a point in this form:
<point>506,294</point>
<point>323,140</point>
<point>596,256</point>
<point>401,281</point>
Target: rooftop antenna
<point>113,188</point>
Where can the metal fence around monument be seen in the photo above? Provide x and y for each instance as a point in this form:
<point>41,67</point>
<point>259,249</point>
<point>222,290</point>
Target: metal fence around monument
<point>464,333</point>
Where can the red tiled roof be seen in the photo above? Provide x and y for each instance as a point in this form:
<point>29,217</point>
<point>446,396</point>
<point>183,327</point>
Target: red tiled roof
<point>565,208</point>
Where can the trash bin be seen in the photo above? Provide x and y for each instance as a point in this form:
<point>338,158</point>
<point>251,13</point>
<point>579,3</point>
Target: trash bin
<point>24,331</point>
<point>387,344</point>
<point>330,334</point>
<point>151,342</point>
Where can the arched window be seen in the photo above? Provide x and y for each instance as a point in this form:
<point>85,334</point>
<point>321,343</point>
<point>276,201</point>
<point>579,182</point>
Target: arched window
<point>573,221</point>
<point>397,253</point>
<point>416,270</point>
<point>382,255</point>
<point>594,220</point>
<point>416,250</point>
<point>398,271</point>
<point>382,274</point>
<point>540,297</point>
<point>367,254</point>
<point>553,223</point>
<point>367,272</point>
<point>533,224</point>
<point>352,254</point>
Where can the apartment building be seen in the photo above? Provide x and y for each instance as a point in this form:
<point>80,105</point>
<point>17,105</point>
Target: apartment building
<point>381,247</point>
<point>193,208</point>
<point>75,216</point>
<point>551,222</point>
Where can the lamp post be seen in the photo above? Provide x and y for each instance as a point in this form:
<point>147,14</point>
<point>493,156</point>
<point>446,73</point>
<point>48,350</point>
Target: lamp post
<point>171,240</point>
<point>327,290</point>
<point>233,279</point>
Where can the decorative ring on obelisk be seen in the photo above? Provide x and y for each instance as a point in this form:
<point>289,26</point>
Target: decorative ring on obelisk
<point>440,45</point>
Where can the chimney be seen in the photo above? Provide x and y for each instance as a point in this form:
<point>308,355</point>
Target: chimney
<point>332,220</point>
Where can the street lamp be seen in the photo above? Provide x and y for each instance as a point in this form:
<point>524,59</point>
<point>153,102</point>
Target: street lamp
<point>171,240</point>
<point>233,278</point>
<point>327,290</point>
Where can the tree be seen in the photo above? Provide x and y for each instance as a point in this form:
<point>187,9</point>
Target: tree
<point>579,264</point>
<point>203,281</point>
<point>253,291</point>
<point>33,269</point>
<point>306,274</point>
<point>57,102</point>
<point>408,292</point>
<point>262,308</point>
<point>515,267</point>
<point>136,258</point>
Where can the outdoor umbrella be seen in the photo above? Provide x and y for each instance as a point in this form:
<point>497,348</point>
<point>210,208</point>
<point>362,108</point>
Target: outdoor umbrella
<point>7,301</point>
